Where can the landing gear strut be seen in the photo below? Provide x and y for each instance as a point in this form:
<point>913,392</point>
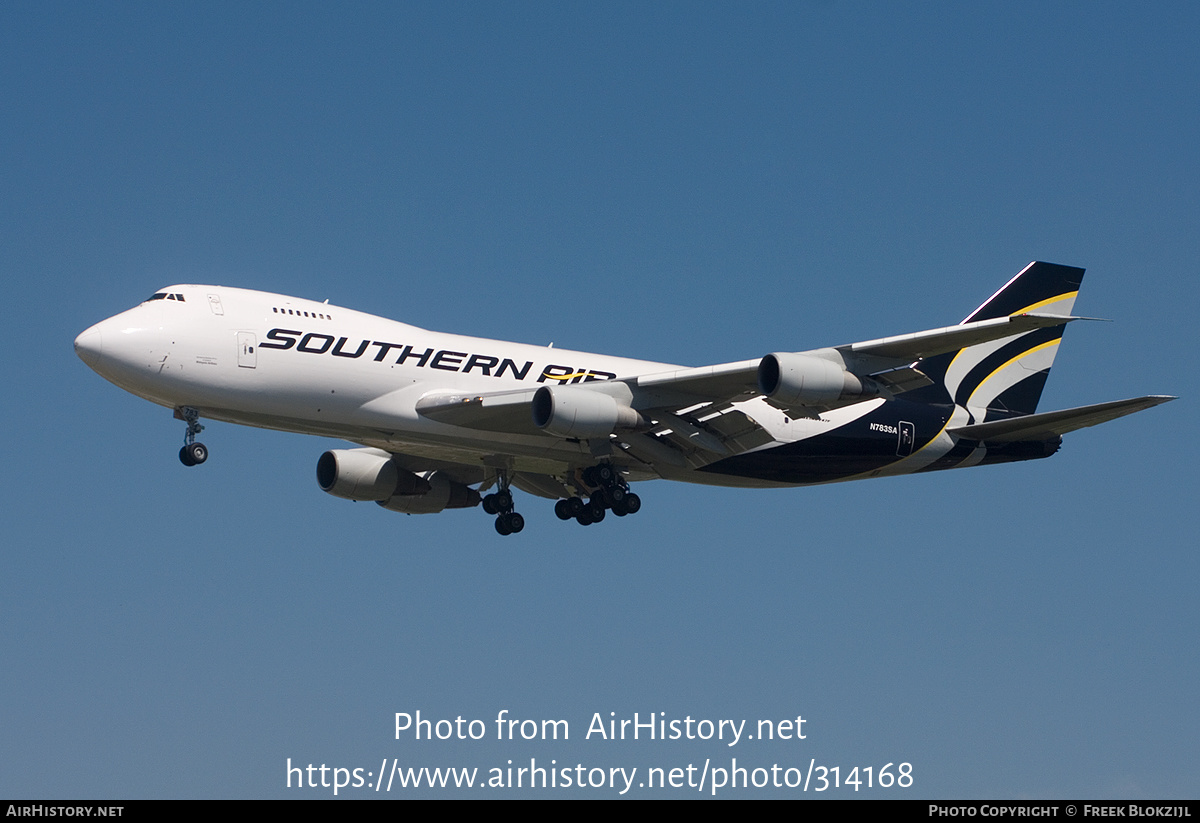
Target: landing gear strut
<point>609,491</point>
<point>192,453</point>
<point>501,504</point>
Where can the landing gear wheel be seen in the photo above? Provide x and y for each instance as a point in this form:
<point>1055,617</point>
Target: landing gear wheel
<point>595,511</point>
<point>504,501</point>
<point>631,504</point>
<point>500,503</point>
<point>562,510</point>
<point>193,454</point>
<point>608,490</point>
<point>510,523</point>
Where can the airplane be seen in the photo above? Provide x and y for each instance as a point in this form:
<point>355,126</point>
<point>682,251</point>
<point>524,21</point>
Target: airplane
<point>442,419</point>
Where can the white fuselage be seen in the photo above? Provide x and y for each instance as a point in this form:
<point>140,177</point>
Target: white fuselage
<point>284,363</point>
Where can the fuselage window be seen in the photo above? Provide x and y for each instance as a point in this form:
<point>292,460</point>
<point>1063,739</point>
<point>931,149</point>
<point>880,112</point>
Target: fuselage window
<point>296,312</point>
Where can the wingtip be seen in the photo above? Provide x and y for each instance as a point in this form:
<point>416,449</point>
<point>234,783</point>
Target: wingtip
<point>1152,400</point>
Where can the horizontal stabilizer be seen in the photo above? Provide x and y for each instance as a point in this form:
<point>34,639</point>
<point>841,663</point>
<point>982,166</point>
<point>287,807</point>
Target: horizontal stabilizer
<point>1048,425</point>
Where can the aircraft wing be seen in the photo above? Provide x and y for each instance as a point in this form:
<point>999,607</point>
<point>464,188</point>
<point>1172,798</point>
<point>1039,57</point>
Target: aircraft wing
<point>688,416</point>
<point>1047,425</point>
<point>507,411</point>
<point>887,360</point>
<point>909,347</point>
<point>727,381</point>
<point>691,431</point>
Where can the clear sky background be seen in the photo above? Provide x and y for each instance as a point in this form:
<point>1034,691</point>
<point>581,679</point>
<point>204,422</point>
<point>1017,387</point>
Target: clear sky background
<point>686,182</point>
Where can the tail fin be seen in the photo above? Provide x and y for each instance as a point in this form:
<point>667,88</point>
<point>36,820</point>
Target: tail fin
<point>1007,375</point>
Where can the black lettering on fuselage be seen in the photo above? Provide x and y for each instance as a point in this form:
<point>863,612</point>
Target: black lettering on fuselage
<point>337,350</point>
<point>569,374</point>
<point>562,374</point>
<point>447,360</point>
<point>444,360</point>
<point>482,362</point>
<point>308,338</point>
<point>422,359</point>
<point>511,366</point>
<point>280,335</point>
<point>384,348</point>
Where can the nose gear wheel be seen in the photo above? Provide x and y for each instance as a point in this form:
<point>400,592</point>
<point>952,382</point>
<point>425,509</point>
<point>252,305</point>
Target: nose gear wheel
<point>192,453</point>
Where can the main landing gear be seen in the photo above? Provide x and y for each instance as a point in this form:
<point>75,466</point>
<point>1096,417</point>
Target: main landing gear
<point>501,504</point>
<point>192,453</point>
<point>609,492</point>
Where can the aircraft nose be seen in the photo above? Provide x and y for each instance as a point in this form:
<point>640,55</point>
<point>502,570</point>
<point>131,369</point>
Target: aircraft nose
<point>90,346</point>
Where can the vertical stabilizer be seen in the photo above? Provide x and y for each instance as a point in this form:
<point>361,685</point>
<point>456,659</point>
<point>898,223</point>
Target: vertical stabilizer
<point>1007,376</point>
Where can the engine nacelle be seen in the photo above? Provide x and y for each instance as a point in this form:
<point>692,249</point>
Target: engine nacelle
<point>366,474</point>
<point>581,413</point>
<point>443,493</point>
<point>804,380</point>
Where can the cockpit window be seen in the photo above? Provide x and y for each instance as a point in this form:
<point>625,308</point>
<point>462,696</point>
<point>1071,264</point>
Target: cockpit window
<point>162,295</point>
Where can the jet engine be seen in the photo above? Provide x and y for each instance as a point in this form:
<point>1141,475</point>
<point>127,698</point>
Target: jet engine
<point>804,380</point>
<point>371,474</point>
<point>358,474</point>
<point>581,413</point>
<point>443,493</point>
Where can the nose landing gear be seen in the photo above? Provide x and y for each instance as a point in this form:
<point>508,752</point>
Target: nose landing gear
<point>192,453</point>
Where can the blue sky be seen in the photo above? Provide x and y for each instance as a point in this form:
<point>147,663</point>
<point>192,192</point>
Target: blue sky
<point>691,183</point>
